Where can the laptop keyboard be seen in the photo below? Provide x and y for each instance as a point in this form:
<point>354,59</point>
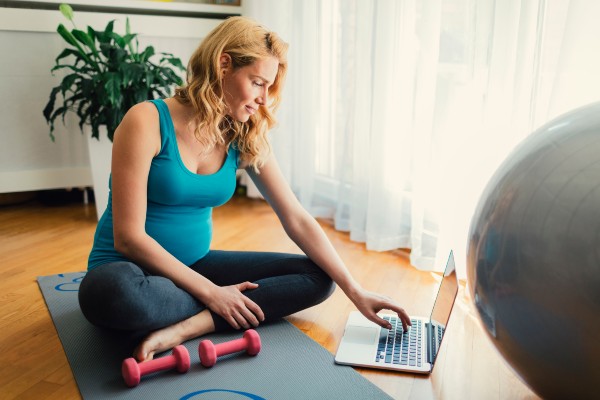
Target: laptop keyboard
<point>399,347</point>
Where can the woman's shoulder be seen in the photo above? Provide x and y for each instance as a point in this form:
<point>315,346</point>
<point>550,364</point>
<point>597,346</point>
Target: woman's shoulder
<point>141,122</point>
<point>144,112</point>
<point>142,117</point>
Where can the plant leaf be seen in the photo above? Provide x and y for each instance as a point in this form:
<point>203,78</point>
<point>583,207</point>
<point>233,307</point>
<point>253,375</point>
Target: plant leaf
<point>88,39</point>
<point>168,76</point>
<point>118,39</point>
<point>149,79</point>
<point>102,37</point>
<point>67,11</point>
<point>91,33</point>
<point>50,105</point>
<point>113,89</point>
<point>174,61</point>
<point>67,82</point>
<point>85,39</point>
<point>146,54</point>
<point>109,27</point>
<point>69,38</point>
<point>129,36</point>
<point>114,55</point>
<point>72,68</point>
<point>126,74</point>
<point>66,53</point>
<point>95,130</point>
<point>59,111</point>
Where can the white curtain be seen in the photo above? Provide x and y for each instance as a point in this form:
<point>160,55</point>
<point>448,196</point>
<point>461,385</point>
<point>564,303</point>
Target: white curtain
<point>396,112</point>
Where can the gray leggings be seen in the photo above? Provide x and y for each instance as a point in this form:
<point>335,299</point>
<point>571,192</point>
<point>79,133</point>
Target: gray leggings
<point>122,296</point>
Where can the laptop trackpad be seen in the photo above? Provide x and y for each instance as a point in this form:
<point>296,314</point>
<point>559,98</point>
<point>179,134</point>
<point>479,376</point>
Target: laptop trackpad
<point>360,335</point>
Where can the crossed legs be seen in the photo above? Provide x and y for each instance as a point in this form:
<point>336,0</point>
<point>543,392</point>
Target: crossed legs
<point>122,296</point>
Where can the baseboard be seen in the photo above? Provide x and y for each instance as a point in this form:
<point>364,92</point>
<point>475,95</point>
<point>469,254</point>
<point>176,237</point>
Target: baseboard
<point>51,178</point>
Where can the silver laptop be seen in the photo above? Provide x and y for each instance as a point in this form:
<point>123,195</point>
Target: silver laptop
<point>366,344</point>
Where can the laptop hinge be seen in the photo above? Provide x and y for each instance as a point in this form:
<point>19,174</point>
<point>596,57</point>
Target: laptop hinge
<point>430,341</point>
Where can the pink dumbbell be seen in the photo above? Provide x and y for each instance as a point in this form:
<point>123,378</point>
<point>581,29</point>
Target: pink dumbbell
<point>132,371</point>
<point>209,352</point>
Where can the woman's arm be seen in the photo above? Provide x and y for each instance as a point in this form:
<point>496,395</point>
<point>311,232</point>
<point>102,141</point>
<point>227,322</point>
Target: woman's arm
<point>304,230</point>
<point>137,140</point>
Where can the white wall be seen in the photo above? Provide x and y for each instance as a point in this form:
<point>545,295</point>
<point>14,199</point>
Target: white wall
<point>29,160</point>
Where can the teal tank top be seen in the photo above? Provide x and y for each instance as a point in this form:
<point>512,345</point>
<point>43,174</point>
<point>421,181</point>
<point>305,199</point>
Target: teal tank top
<point>180,202</point>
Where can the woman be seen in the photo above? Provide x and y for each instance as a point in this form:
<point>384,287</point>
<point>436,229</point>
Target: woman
<point>150,269</point>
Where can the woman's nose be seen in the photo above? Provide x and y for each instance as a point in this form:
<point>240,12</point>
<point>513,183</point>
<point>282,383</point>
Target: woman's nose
<point>261,99</point>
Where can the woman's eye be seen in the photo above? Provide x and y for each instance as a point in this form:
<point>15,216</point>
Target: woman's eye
<point>259,84</point>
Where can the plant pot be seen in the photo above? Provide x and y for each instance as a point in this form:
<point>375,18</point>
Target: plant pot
<point>100,160</point>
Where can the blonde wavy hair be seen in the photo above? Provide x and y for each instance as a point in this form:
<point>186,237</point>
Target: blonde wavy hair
<point>245,41</point>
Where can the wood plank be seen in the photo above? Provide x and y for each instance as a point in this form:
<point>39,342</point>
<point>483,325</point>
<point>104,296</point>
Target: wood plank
<point>37,239</point>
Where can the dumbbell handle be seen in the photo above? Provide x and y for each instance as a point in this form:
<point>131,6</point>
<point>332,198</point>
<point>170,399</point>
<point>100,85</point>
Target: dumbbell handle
<point>133,371</point>
<point>157,364</point>
<point>232,346</point>
<point>209,352</point>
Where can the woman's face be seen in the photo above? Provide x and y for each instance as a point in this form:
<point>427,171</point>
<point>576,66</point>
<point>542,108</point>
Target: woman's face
<point>246,88</point>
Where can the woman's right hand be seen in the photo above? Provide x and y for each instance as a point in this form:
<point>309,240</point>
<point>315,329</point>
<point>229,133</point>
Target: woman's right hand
<point>238,310</point>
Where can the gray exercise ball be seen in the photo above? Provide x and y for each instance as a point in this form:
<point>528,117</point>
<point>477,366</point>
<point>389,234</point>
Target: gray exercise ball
<point>533,260</point>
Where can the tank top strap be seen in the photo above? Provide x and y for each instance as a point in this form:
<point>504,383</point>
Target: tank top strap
<point>167,130</point>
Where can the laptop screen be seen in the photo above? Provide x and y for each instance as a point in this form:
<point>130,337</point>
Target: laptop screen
<point>446,295</point>
<point>443,307</point>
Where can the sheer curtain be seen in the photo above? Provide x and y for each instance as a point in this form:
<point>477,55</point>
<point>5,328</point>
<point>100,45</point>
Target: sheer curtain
<point>396,113</point>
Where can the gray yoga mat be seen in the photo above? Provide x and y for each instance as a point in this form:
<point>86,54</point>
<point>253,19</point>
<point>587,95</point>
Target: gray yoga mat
<point>289,366</point>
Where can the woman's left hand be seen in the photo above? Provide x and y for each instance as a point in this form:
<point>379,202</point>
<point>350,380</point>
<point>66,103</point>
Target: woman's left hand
<point>369,304</point>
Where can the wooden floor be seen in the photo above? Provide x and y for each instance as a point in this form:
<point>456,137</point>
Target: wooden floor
<point>37,239</point>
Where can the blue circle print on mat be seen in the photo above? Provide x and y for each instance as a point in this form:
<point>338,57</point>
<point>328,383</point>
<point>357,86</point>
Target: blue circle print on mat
<point>72,286</point>
<point>237,395</point>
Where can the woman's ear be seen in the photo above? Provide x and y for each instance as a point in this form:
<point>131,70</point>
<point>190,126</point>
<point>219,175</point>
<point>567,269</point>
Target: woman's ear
<point>225,63</point>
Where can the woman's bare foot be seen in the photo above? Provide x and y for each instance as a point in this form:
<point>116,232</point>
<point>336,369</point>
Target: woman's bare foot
<point>171,336</point>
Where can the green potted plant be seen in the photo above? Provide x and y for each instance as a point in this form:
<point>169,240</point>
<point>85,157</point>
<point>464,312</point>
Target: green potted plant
<point>106,74</point>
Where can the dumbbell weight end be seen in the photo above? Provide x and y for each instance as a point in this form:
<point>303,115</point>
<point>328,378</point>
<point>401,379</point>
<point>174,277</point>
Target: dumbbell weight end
<point>132,371</point>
